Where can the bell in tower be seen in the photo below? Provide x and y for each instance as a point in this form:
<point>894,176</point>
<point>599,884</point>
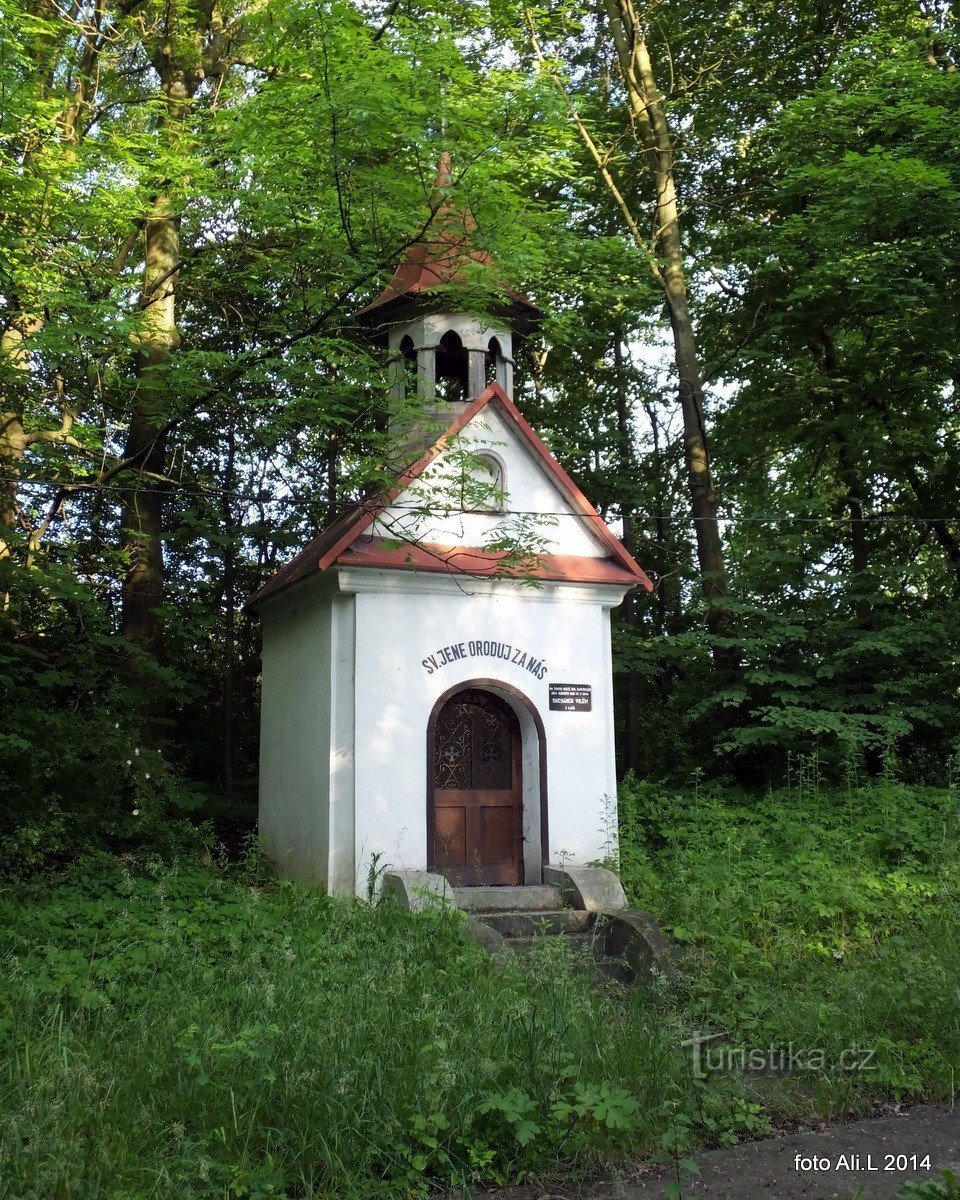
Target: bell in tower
<point>443,356</point>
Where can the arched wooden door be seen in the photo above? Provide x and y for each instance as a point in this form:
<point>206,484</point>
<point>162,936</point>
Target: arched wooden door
<point>475,812</point>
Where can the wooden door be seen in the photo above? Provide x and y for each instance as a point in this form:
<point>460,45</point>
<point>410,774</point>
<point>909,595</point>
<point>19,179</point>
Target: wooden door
<point>475,818</point>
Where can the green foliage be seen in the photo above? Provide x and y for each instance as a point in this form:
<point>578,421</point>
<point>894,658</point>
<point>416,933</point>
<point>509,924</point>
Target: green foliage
<point>945,1188</point>
<point>74,773</point>
<point>204,1037</point>
<point>292,199</point>
<point>838,435</point>
<point>814,917</point>
<point>819,185</point>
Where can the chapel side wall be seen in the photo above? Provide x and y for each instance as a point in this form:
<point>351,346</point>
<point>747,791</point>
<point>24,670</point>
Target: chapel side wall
<point>295,736</point>
<point>566,628</point>
<point>580,746</point>
<point>342,879</point>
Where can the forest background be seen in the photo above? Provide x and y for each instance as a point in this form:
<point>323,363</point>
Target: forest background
<point>742,221</point>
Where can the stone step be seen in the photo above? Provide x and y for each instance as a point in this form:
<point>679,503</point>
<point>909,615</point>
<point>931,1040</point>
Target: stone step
<point>585,952</point>
<point>579,943</point>
<point>538,897</point>
<point>533,924</point>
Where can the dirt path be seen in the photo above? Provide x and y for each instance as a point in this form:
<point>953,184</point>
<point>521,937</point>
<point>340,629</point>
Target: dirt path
<point>876,1155</point>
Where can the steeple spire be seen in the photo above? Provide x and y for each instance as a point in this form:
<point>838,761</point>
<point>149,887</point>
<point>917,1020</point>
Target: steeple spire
<point>447,255</point>
<point>443,355</point>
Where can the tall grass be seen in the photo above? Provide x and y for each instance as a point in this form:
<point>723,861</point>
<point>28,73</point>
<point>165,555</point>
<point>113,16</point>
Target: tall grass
<point>184,1036</point>
<point>824,919</point>
<point>174,1032</point>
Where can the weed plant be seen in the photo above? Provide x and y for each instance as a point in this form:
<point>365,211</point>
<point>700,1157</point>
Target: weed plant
<point>176,1033</point>
<point>823,920</point>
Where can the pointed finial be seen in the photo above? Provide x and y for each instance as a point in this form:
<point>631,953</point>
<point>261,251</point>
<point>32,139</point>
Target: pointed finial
<point>446,255</point>
<point>444,177</point>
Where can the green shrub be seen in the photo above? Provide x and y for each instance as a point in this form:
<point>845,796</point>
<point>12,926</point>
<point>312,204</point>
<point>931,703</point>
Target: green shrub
<point>828,920</point>
<point>74,773</point>
<point>172,1032</point>
<point>945,1188</point>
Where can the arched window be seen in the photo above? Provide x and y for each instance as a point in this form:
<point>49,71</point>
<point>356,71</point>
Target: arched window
<point>484,486</point>
<point>493,363</point>
<point>452,369</point>
<point>408,366</point>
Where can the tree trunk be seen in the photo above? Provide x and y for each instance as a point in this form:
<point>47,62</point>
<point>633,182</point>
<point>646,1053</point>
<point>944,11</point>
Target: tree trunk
<point>182,67</point>
<point>941,529</point>
<point>660,521</point>
<point>925,498</point>
<point>647,111</point>
<point>333,475</point>
<point>228,709</point>
<point>156,340</point>
<point>631,715</point>
<point>13,440</point>
<point>850,478</point>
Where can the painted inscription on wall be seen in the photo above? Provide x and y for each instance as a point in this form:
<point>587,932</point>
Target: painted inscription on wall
<point>516,655</point>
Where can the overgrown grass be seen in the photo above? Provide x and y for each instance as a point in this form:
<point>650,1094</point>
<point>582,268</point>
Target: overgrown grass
<point>179,1034</point>
<point>828,921</point>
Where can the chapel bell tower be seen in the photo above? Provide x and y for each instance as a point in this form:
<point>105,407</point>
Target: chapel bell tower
<point>441,356</point>
<point>423,707</point>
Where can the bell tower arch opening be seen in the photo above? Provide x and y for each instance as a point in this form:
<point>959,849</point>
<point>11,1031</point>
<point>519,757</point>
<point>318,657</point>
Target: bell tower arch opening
<point>408,367</point>
<point>494,364</point>
<point>453,370</point>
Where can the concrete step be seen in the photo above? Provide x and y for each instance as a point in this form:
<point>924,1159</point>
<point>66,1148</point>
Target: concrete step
<point>579,943</point>
<point>533,924</point>
<point>585,954</point>
<point>538,897</point>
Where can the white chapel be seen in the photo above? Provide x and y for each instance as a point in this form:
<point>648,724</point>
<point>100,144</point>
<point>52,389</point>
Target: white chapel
<point>433,700</point>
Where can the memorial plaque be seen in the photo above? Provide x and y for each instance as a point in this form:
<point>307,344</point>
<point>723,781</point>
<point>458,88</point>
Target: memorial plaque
<point>571,697</point>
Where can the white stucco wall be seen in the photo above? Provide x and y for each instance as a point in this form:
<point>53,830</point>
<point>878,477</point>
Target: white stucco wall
<point>295,730</point>
<point>342,857</point>
<point>401,621</point>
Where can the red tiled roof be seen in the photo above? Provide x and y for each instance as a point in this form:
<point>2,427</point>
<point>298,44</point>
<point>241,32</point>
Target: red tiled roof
<point>472,560</point>
<point>446,256</point>
<point>342,542</point>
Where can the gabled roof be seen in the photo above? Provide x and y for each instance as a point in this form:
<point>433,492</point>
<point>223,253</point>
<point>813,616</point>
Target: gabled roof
<point>447,256</point>
<point>340,543</point>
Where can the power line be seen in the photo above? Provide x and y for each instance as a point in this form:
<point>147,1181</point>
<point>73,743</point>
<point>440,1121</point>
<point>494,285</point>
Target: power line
<point>260,498</point>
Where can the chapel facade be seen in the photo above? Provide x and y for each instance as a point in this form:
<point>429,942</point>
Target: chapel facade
<point>431,700</point>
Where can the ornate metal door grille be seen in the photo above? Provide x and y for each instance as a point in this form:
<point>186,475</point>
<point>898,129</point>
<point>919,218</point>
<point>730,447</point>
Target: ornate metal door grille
<point>475,817</point>
<point>472,744</point>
